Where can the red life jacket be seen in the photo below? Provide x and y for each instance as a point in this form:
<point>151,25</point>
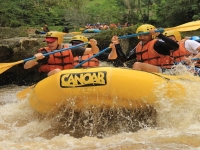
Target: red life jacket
<point>60,60</point>
<point>180,54</point>
<point>91,63</point>
<point>147,54</point>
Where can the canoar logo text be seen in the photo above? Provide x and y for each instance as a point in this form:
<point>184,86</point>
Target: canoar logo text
<point>83,79</point>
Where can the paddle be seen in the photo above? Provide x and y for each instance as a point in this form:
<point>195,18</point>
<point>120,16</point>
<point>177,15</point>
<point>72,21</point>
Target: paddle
<point>193,59</point>
<point>185,27</point>
<point>121,37</point>
<point>23,94</point>
<point>190,26</point>
<point>138,34</point>
<point>92,57</point>
<point>6,66</point>
<point>194,25</point>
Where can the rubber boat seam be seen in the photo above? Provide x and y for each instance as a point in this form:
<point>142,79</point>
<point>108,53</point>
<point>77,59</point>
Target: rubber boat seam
<point>160,76</point>
<point>168,78</point>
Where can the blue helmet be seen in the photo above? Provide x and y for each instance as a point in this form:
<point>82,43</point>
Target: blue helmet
<point>195,38</point>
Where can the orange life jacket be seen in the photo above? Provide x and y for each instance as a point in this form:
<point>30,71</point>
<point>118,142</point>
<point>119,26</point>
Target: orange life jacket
<point>147,54</point>
<point>61,60</point>
<point>180,54</point>
<point>91,63</point>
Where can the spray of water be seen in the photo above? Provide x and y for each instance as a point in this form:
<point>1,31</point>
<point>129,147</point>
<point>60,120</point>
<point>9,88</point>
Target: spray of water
<point>172,123</point>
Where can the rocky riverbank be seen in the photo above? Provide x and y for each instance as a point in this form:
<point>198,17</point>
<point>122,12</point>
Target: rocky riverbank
<point>13,50</point>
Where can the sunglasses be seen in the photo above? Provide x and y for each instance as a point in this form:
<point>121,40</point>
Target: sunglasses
<point>76,42</point>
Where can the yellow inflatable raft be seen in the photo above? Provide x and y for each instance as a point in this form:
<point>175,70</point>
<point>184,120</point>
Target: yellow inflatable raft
<point>101,87</point>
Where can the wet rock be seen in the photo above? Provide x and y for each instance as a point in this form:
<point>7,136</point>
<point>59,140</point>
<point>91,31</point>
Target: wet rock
<point>16,49</point>
<point>6,52</point>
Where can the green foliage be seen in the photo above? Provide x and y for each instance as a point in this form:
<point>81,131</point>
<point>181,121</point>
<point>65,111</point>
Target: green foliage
<point>23,12</point>
<point>7,32</point>
<point>56,28</point>
<point>104,37</point>
<point>108,14</point>
<point>77,13</point>
<point>178,12</point>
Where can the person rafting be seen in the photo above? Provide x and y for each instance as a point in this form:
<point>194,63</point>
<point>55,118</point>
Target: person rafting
<point>153,55</point>
<point>56,62</point>
<point>94,62</point>
<point>188,49</point>
<point>66,29</point>
<point>45,28</point>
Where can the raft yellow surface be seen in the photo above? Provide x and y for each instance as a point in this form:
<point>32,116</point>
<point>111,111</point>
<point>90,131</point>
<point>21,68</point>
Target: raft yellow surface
<point>100,87</point>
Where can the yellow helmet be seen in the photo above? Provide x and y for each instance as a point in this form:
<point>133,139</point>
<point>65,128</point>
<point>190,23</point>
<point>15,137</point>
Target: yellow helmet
<point>79,38</point>
<point>174,33</point>
<point>54,34</point>
<point>145,28</point>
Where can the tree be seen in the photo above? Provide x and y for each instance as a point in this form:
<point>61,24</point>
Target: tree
<point>178,12</point>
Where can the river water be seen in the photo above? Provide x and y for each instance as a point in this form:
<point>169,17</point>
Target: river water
<point>177,127</point>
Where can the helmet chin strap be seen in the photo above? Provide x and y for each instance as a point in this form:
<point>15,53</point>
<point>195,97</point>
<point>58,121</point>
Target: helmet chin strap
<point>58,46</point>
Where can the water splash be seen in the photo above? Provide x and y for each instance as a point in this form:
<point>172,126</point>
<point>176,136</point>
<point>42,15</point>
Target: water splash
<point>173,123</point>
<point>179,111</point>
<point>102,122</point>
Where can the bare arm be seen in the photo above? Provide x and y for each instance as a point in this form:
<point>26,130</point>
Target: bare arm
<point>31,63</point>
<point>197,55</point>
<point>94,49</point>
<point>113,53</point>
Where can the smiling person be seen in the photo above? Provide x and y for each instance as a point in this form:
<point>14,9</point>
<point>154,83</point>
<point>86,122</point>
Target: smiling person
<point>45,28</point>
<point>53,63</point>
<point>152,54</point>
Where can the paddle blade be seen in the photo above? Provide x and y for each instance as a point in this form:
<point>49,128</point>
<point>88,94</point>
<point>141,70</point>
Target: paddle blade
<point>24,93</point>
<point>193,23</point>
<point>6,66</point>
<point>188,29</point>
<point>190,26</point>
